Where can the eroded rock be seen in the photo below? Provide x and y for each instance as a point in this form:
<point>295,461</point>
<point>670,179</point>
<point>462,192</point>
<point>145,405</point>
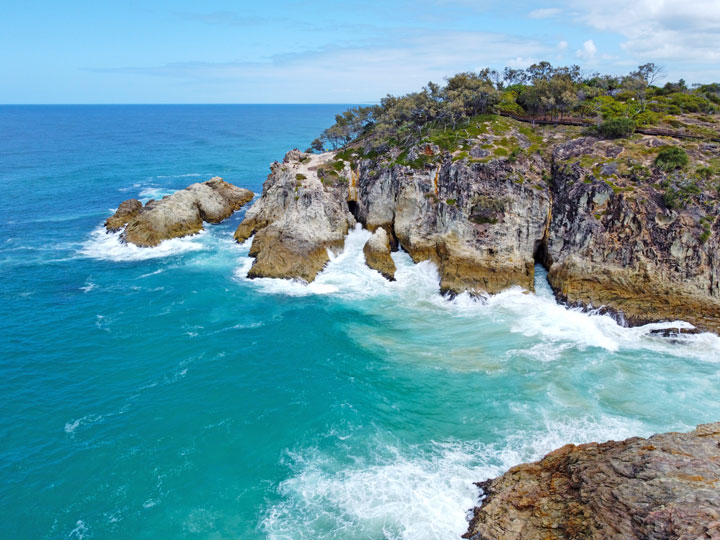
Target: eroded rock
<point>591,211</point>
<point>664,487</point>
<point>179,214</point>
<point>377,254</point>
<point>302,213</point>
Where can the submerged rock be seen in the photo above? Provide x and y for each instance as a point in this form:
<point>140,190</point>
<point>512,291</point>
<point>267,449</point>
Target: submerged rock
<point>179,214</point>
<point>302,213</point>
<point>664,487</point>
<point>377,254</point>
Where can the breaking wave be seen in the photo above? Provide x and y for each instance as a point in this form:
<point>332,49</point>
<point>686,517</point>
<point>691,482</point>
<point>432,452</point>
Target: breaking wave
<point>415,295</point>
<point>108,246</point>
<point>403,492</point>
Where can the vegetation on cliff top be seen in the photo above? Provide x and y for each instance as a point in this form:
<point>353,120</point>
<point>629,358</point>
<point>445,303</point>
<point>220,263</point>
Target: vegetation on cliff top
<point>614,106</point>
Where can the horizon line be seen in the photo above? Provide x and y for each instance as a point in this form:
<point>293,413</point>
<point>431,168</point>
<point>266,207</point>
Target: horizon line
<point>175,104</point>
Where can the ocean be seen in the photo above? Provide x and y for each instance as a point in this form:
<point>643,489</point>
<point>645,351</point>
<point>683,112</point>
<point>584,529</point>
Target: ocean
<point>158,393</point>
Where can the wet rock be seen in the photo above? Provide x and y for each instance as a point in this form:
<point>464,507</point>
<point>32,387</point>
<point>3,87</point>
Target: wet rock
<point>179,214</point>
<point>125,212</point>
<point>377,254</point>
<point>664,487</point>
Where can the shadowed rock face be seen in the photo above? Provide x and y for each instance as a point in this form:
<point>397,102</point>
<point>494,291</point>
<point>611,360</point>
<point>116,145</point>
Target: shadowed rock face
<point>663,487</point>
<point>576,204</point>
<point>377,254</point>
<point>179,214</point>
<point>125,213</point>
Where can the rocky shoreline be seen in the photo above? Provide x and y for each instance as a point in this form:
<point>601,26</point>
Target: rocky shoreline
<point>664,487</point>
<point>592,211</point>
<point>177,215</point>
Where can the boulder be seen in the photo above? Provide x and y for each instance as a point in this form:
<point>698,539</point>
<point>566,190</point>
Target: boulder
<point>664,487</point>
<point>179,214</point>
<point>125,212</point>
<point>377,254</point>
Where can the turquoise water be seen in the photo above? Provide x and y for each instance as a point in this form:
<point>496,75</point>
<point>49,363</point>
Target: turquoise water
<point>158,393</point>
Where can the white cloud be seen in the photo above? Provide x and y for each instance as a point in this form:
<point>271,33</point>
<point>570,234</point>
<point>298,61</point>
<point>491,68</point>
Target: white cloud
<point>521,63</point>
<point>562,45</point>
<point>656,30</point>
<point>544,13</point>
<point>355,74</point>
<point>588,51</point>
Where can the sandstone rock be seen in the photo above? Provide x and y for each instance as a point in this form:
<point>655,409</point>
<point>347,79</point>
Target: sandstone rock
<point>377,254</point>
<point>298,218</point>
<point>125,212</point>
<point>179,214</point>
<point>474,221</point>
<point>591,211</point>
<point>663,487</point>
<point>628,254</point>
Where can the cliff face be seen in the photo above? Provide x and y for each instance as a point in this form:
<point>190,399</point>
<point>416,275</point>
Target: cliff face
<point>297,219</point>
<point>618,245</point>
<point>595,212</point>
<point>663,487</point>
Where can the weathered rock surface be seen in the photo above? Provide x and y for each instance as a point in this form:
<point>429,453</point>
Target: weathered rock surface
<point>377,254</point>
<point>179,214</point>
<point>624,249</point>
<point>664,487</point>
<point>592,211</point>
<point>125,213</point>
<point>300,215</point>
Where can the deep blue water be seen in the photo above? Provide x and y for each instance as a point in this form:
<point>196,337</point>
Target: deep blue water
<point>160,394</point>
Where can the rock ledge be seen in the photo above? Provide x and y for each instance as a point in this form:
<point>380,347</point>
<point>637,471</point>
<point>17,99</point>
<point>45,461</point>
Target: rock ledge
<point>666,486</point>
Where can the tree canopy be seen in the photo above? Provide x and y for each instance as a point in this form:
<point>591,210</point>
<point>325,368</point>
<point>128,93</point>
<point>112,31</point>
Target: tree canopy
<point>541,91</point>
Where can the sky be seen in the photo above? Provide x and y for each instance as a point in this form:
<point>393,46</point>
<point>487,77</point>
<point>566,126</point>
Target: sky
<point>224,51</point>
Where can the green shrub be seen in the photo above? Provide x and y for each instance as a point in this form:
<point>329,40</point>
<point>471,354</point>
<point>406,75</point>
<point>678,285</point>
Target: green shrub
<point>616,127</point>
<point>704,173</point>
<point>671,158</point>
<point>300,177</point>
<point>679,196</point>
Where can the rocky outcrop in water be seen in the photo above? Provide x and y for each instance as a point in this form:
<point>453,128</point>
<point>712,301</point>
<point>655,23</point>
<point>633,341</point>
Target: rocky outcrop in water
<point>377,254</point>
<point>664,487</point>
<point>302,213</point>
<point>179,214</point>
<point>616,231</point>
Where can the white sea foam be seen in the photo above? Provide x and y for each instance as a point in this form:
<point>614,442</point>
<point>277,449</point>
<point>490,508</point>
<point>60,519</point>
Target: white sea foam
<point>416,294</point>
<point>347,276</point>
<point>89,286</point>
<point>80,530</point>
<point>188,175</point>
<point>418,493</point>
<point>108,246</point>
<point>154,193</point>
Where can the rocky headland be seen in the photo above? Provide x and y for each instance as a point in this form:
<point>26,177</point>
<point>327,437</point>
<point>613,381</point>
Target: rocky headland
<point>617,230</point>
<point>179,214</point>
<point>664,487</point>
